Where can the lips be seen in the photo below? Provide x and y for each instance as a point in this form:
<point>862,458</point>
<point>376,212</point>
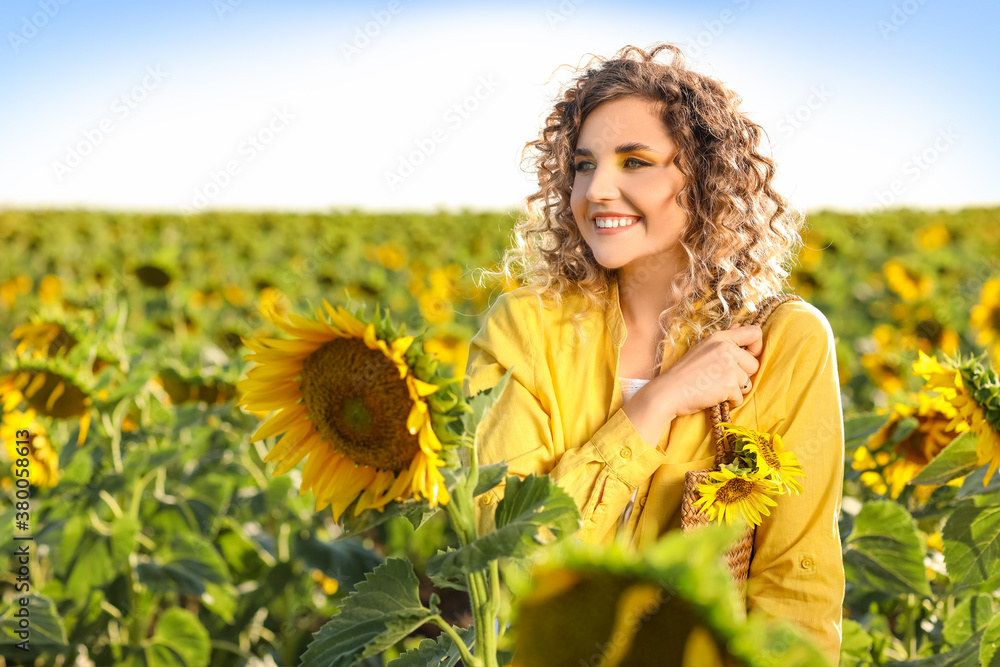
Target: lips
<point>633,221</point>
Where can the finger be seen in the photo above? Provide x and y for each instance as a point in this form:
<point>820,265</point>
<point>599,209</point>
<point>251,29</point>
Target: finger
<point>747,361</point>
<point>749,337</point>
<point>736,398</point>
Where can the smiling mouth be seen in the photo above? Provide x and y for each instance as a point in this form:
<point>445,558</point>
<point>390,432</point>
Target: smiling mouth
<point>615,222</point>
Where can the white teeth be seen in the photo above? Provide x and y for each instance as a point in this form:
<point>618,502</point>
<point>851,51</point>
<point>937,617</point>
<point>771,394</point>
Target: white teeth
<point>611,223</point>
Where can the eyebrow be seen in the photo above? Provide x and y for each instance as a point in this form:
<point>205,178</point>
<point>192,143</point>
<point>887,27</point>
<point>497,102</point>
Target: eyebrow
<point>624,148</point>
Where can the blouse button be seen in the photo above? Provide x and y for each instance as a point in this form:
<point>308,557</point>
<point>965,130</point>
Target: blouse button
<point>642,502</point>
<point>487,500</point>
<point>625,452</point>
<point>806,563</point>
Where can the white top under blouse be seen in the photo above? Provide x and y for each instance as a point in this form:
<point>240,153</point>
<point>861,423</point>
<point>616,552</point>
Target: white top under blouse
<point>629,387</point>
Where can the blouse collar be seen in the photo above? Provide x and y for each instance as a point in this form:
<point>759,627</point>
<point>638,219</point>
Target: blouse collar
<point>613,314</point>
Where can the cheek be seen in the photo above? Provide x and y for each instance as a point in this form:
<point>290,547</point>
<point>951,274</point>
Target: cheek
<point>578,204</point>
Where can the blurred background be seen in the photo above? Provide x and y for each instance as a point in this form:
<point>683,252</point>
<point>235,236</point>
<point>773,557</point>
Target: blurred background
<point>169,170</point>
<point>124,105</point>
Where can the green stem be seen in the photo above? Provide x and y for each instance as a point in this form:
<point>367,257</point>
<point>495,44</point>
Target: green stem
<point>467,658</point>
<point>137,490</point>
<point>911,625</point>
<point>462,512</point>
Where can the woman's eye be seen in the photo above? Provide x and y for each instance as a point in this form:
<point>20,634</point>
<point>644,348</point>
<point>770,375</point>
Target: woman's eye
<point>631,162</point>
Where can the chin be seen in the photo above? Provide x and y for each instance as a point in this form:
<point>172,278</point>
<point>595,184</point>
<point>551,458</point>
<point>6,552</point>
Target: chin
<point>611,263</point>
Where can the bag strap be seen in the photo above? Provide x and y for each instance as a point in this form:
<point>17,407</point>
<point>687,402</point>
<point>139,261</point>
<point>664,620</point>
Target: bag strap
<point>720,413</point>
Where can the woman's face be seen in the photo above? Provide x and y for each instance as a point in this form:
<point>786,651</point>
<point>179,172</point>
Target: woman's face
<point>624,164</point>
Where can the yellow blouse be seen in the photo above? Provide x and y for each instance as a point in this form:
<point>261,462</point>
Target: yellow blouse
<point>561,415</point>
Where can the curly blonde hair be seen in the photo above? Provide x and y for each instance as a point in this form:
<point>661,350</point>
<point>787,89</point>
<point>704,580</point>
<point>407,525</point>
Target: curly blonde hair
<point>741,237</point>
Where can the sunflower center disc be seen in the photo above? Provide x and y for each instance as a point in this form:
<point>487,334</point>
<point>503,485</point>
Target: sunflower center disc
<point>735,489</point>
<point>359,403</point>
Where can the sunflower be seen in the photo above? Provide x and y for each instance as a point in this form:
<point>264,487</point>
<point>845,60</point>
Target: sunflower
<point>47,339</point>
<point>932,236</point>
<point>771,460</point>
<point>912,453</point>
<point>884,370</point>
<point>11,289</point>
<point>50,289</point>
<point>670,603</point>
<point>52,391</point>
<point>985,318</point>
<point>272,302</point>
<point>974,391</point>
<point>191,386</point>
<point>43,461</point>
<point>906,282</point>
<point>728,495</point>
<point>350,400</point>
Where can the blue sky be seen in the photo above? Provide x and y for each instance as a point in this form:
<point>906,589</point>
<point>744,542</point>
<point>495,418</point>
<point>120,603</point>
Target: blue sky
<point>302,105</point>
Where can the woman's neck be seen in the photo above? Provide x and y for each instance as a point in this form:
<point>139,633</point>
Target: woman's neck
<point>644,290</point>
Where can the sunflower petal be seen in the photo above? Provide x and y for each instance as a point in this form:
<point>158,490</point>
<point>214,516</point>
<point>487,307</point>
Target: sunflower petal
<point>344,321</point>
<point>37,383</point>
<point>416,417</point>
<point>422,388</point>
<point>401,345</point>
<point>84,428</point>
<point>54,396</point>
<point>354,482</point>
<point>319,458</point>
<point>326,485</point>
<point>279,423</point>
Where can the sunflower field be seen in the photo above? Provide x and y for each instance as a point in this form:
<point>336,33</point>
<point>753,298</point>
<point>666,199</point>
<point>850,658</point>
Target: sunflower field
<point>180,509</point>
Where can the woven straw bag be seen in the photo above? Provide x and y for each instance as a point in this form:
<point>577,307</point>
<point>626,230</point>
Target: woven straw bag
<point>738,556</point>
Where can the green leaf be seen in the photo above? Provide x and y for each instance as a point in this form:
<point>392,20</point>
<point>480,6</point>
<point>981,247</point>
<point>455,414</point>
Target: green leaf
<point>972,547</point>
<point>858,429</point>
<point>180,639</point>
<point>989,650</point>
<point>534,511</point>
<point>93,567</point>
<point>347,561</point>
<point>381,611</point>
<point>458,583</point>
<point>955,460</point>
<point>884,552</point>
<point>440,653</point>
<point>72,532</point>
<point>489,477</point>
<point>243,556</point>
<point>185,566</point>
<point>965,655</point>
<point>482,403</point>
<point>903,430</point>
<point>417,512</point>
<point>123,538</point>
<point>46,626</point>
<point>973,484</point>
<point>969,616</point>
<point>855,647</point>
<point>221,600</point>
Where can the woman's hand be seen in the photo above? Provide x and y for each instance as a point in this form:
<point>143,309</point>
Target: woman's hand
<point>713,370</point>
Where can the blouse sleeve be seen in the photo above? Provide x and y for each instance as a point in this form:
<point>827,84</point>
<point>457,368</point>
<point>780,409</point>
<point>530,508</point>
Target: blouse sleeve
<point>797,571</point>
<point>599,474</point>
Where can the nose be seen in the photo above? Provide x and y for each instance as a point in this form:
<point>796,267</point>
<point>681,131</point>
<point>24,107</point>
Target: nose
<point>603,183</point>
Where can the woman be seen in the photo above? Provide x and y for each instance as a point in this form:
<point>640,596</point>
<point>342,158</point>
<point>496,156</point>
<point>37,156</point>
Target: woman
<point>655,231</point>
